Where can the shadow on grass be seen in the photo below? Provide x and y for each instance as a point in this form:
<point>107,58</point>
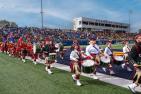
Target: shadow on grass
<point>93,82</point>
<point>138,93</point>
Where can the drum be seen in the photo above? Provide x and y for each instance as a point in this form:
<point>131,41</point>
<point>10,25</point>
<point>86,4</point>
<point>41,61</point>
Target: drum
<point>88,66</point>
<point>118,60</point>
<point>52,57</point>
<point>104,61</point>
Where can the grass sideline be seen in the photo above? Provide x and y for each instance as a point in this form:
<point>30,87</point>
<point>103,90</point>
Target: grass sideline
<point>26,78</point>
<point>115,46</point>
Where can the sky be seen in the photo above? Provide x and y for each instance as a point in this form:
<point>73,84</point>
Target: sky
<point>59,13</point>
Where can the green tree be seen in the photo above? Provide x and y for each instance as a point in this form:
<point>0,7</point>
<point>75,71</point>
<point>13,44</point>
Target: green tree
<point>5,23</point>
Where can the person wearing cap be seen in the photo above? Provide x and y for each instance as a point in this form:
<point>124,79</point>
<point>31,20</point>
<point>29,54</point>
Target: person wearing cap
<point>135,59</point>
<point>93,51</point>
<point>75,63</point>
<point>126,50</point>
<point>109,54</point>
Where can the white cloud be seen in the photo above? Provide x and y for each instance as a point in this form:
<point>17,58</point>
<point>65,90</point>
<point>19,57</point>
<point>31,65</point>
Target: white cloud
<point>138,1</point>
<point>111,13</point>
<point>64,14</point>
<point>58,14</point>
<point>18,7</point>
<point>88,8</point>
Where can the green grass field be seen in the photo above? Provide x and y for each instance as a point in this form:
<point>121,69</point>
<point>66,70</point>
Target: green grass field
<point>26,78</point>
<point>115,46</point>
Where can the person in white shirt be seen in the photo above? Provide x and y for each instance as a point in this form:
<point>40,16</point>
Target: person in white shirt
<point>75,63</point>
<point>93,51</point>
<point>108,50</point>
<point>109,54</point>
<point>126,50</point>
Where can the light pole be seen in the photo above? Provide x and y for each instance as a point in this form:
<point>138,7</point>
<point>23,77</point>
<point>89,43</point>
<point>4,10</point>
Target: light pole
<point>42,16</point>
<point>130,14</point>
<point>10,24</point>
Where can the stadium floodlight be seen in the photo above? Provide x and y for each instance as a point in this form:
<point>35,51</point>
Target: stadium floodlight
<point>130,14</point>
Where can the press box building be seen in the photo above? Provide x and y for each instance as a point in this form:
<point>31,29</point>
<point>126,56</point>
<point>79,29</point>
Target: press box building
<point>89,24</point>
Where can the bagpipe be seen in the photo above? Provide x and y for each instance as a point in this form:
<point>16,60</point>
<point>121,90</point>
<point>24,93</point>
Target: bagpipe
<point>49,51</point>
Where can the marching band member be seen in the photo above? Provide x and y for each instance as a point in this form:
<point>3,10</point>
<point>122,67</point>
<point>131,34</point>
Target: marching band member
<point>75,41</point>
<point>35,55</point>
<point>109,54</point>
<point>46,54</point>
<point>75,66</point>
<point>50,58</point>
<point>93,51</point>
<point>29,49</point>
<point>18,50</point>
<point>23,52</point>
<point>19,47</point>
<point>9,48</point>
<point>42,45</point>
<point>0,47</point>
<point>39,50</point>
<point>53,51</point>
<point>126,50</point>
<point>4,44</point>
<point>135,59</point>
<point>11,43</point>
<point>14,49</point>
<point>59,49</point>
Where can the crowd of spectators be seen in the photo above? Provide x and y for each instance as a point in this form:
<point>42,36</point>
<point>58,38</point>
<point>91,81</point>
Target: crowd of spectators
<point>61,35</point>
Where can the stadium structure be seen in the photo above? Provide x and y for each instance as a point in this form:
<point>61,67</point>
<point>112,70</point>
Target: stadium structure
<point>89,24</point>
